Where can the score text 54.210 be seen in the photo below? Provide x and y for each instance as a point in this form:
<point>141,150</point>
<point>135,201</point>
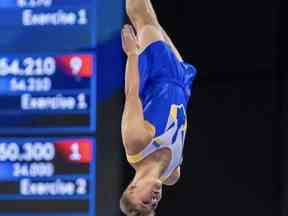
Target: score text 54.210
<point>31,84</point>
<point>27,67</point>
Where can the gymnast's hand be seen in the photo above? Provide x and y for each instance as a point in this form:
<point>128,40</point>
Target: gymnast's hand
<point>129,40</point>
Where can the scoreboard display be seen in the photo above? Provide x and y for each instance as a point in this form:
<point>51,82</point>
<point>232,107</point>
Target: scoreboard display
<point>51,175</point>
<point>47,93</point>
<point>21,21</point>
<point>60,62</point>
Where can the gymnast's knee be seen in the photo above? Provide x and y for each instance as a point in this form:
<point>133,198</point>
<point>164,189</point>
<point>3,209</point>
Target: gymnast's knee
<point>139,13</point>
<point>135,7</point>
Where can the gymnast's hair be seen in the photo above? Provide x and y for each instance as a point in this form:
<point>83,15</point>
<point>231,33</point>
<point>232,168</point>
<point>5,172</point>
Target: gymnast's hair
<point>129,209</point>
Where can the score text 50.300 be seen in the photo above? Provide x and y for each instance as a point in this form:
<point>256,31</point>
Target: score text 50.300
<point>27,152</point>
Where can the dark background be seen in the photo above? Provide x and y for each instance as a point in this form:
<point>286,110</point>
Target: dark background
<point>235,157</point>
<point>233,151</point>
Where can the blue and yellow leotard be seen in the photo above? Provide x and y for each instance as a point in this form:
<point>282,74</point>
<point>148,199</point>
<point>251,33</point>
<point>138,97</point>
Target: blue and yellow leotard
<point>165,88</point>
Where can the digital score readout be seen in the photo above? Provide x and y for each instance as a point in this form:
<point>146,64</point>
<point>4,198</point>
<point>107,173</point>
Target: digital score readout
<point>47,24</point>
<point>54,177</point>
<point>47,93</point>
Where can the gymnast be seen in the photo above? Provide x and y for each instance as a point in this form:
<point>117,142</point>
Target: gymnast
<point>154,122</point>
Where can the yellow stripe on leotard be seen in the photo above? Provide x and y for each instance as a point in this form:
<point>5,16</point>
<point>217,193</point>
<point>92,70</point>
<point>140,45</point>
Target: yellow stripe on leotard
<point>173,112</point>
<point>185,126</point>
<point>138,157</point>
<point>134,158</point>
<point>163,178</point>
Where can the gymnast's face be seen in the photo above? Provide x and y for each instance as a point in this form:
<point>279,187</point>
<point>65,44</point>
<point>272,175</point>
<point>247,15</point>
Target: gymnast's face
<point>146,194</point>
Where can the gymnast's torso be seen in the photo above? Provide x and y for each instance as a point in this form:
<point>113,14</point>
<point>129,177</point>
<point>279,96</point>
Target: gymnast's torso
<point>165,89</point>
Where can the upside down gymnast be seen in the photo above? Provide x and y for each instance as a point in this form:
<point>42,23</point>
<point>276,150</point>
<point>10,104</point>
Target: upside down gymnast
<point>157,89</point>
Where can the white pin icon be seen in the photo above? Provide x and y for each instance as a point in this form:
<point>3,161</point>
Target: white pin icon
<point>76,65</point>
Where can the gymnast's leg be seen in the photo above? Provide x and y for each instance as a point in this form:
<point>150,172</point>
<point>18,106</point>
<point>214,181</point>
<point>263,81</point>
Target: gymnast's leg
<point>145,21</point>
<point>165,35</point>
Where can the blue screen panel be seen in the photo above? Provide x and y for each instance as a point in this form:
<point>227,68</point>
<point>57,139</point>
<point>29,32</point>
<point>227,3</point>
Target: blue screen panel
<point>52,175</point>
<point>47,93</point>
<point>50,25</point>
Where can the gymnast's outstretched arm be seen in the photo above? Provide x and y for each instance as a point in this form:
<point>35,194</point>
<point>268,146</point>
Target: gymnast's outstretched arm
<point>134,133</point>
